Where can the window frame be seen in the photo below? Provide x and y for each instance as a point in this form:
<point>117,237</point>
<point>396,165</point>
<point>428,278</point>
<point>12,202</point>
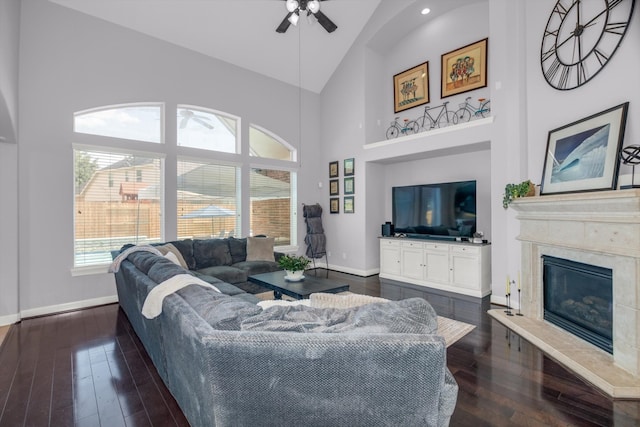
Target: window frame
<point>170,153</point>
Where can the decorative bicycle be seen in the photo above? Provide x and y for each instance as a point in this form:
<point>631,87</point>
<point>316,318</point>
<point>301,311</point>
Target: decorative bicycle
<point>397,128</point>
<point>444,117</point>
<point>467,110</point>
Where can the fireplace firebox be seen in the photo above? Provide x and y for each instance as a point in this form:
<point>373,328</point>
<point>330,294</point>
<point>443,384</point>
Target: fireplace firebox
<point>579,298</point>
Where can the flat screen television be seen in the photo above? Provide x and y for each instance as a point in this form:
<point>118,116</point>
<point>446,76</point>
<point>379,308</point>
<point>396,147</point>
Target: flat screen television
<point>446,210</point>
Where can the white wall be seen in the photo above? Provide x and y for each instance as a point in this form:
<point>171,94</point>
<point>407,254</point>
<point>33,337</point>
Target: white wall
<point>524,108</point>
<point>70,62</point>
<point>84,62</point>
<point>9,56</point>
<point>549,108</point>
<point>349,95</point>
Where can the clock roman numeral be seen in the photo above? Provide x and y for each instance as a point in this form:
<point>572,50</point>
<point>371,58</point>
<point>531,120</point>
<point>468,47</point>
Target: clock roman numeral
<point>602,58</point>
<point>581,73</point>
<point>560,10</point>
<point>564,77</point>
<point>613,3</point>
<point>552,70</point>
<point>616,28</point>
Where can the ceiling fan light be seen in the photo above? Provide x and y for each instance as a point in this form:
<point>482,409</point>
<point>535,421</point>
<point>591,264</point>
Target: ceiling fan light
<point>292,5</point>
<point>313,6</point>
<point>294,18</point>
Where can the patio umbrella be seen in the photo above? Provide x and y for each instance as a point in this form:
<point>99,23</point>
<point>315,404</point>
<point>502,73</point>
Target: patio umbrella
<point>211,211</point>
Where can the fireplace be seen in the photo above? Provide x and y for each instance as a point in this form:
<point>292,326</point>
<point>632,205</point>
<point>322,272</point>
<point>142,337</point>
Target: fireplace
<point>600,229</point>
<point>578,298</point>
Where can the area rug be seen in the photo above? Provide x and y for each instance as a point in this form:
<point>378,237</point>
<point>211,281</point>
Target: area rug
<point>451,330</point>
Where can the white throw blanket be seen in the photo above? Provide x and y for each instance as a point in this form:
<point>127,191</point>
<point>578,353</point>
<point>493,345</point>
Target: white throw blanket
<point>152,306</point>
<point>115,265</point>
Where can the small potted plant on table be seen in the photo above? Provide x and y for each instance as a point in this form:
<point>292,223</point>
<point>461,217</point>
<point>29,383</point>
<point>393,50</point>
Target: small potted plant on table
<point>294,266</point>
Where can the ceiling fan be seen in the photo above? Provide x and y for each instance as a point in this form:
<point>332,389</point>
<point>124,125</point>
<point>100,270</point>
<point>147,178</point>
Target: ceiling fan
<point>312,7</point>
<point>198,118</point>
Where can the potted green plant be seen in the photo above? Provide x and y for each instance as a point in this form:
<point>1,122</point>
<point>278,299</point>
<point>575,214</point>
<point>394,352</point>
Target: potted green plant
<point>294,266</point>
<point>513,191</point>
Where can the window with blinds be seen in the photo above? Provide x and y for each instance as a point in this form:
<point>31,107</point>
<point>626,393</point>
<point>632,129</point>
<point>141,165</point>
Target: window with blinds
<point>271,203</point>
<point>117,201</point>
<point>120,194</point>
<point>208,200</point>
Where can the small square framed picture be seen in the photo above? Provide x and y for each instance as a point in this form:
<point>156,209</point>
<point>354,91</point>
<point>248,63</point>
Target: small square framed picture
<point>334,187</point>
<point>348,204</point>
<point>334,169</point>
<point>349,166</point>
<point>348,185</point>
<point>334,205</point>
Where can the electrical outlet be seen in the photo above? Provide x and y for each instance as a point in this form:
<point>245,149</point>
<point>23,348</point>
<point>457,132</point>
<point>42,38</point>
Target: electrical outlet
<point>344,255</point>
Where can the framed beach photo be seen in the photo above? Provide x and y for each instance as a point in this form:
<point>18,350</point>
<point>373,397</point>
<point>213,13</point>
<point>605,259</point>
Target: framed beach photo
<point>348,204</point>
<point>334,171</point>
<point>348,186</point>
<point>334,205</point>
<point>334,187</point>
<point>585,155</point>
<point>411,88</point>
<point>464,69</point>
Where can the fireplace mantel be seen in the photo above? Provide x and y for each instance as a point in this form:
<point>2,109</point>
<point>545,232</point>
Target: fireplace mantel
<point>599,228</point>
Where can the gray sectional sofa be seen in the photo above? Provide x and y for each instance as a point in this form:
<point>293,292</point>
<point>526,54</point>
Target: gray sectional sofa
<point>228,362</point>
<point>222,260</point>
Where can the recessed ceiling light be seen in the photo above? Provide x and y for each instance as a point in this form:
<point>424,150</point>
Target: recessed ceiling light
<point>425,10</point>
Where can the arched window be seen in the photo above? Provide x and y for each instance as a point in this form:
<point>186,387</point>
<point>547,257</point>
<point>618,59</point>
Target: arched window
<point>120,192</point>
<point>207,129</point>
<point>140,121</point>
<point>265,144</point>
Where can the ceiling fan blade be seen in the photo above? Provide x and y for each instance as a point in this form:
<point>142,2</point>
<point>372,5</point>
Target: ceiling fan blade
<point>202,121</point>
<point>326,23</point>
<point>284,25</point>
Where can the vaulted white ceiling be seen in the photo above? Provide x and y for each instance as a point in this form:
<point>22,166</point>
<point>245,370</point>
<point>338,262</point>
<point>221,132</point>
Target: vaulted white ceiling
<point>242,32</point>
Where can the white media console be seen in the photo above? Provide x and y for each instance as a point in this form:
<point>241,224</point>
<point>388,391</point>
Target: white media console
<point>460,267</point>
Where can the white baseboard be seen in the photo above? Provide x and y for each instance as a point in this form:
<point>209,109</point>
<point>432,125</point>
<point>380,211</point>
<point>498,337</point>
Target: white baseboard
<point>356,272</point>
<point>502,300</point>
<point>77,305</point>
<point>9,319</point>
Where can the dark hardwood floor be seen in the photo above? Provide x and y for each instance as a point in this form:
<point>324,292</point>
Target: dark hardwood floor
<point>87,368</point>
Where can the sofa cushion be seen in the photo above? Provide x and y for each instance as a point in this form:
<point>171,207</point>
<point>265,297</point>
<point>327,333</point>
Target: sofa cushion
<point>186,249</point>
<point>164,269</point>
<point>225,273</point>
<point>409,316</point>
<point>143,260</point>
<point>257,267</point>
<point>225,288</point>
<point>210,253</point>
<point>172,253</point>
<point>260,249</point>
<point>220,311</point>
<point>238,249</point>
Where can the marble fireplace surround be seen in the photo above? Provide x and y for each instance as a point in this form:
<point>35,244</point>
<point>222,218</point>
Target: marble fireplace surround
<point>599,228</point>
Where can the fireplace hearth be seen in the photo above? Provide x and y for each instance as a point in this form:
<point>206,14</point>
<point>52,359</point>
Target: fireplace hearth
<point>599,229</point>
<point>578,298</point>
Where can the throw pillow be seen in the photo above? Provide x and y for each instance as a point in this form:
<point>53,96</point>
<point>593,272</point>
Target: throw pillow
<point>169,248</point>
<point>173,258</point>
<point>260,249</point>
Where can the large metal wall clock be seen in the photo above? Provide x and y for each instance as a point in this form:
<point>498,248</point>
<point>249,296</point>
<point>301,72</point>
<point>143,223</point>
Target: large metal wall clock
<point>580,38</point>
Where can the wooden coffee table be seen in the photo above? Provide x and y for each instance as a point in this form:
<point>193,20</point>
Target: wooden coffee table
<point>298,290</point>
